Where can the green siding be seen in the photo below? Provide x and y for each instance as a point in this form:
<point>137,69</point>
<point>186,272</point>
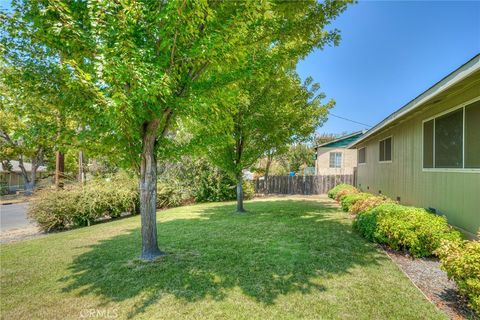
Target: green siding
<point>455,194</point>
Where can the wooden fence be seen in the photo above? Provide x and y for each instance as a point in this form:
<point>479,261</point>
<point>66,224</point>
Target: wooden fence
<point>307,185</point>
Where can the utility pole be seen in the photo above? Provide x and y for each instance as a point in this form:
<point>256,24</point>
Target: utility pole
<point>59,169</point>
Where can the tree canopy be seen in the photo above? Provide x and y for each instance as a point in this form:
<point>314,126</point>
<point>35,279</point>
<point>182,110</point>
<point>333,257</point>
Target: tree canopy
<point>140,66</point>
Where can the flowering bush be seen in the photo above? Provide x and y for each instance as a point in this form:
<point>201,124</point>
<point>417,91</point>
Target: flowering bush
<point>461,261</point>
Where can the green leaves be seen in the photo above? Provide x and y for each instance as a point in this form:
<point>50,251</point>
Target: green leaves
<point>116,65</point>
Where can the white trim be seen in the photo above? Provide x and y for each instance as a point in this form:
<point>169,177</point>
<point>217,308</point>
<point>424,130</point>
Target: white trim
<point>462,169</point>
<point>467,170</point>
<point>453,78</point>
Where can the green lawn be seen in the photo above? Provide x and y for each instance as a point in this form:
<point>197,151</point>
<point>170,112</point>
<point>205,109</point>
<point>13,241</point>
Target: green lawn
<point>284,259</point>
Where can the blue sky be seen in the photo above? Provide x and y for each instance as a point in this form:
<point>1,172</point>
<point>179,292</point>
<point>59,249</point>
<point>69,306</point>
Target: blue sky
<point>391,51</point>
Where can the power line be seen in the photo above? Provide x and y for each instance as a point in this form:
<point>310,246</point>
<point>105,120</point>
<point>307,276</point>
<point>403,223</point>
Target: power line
<point>363,124</point>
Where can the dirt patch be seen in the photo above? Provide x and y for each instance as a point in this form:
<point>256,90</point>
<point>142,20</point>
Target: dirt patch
<point>20,234</point>
<point>426,274</point>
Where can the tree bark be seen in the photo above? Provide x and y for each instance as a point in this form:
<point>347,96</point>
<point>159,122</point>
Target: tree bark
<point>26,178</point>
<point>148,191</point>
<point>240,208</point>
<point>267,168</point>
<point>59,169</point>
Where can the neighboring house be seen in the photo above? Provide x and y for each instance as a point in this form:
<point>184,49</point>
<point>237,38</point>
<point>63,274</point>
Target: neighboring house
<point>427,154</point>
<point>334,157</point>
<point>13,179</point>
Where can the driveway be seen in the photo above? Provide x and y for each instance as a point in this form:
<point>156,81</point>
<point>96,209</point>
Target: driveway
<point>14,224</point>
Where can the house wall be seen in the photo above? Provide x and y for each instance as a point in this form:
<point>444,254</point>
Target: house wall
<point>322,164</point>
<point>454,194</point>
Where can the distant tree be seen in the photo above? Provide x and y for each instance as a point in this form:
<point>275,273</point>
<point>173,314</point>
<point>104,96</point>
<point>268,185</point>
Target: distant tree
<point>300,155</point>
<point>324,138</point>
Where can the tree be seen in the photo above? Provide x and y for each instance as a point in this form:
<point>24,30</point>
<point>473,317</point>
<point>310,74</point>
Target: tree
<point>324,138</point>
<point>266,112</point>
<point>25,128</point>
<point>299,155</point>
<point>142,62</point>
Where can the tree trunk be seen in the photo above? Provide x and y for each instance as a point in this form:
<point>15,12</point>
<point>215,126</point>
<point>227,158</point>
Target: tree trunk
<point>26,179</point>
<point>59,169</point>
<point>267,169</point>
<point>81,173</point>
<point>148,192</point>
<point>240,208</point>
<point>30,186</point>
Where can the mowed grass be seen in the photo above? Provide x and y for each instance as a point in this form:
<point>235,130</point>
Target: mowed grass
<point>284,259</point>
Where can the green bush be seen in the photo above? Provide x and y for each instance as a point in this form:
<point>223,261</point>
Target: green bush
<point>201,181</point>
<point>345,192</point>
<point>339,187</point>
<point>405,228</point>
<point>368,203</point>
<point>79,205</point>
<point>169,196</point>
<point>461,261</point>
<point>352,198</point>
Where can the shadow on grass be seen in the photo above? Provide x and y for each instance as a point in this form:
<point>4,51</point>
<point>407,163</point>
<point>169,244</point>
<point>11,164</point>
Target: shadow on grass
<point>277,248</point>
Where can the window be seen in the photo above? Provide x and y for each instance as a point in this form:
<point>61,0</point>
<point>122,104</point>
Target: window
<point>452,140</point>
<point>335,159</point>
<point>386,150</point>
<point>362,156</point>
<point>472,135</point>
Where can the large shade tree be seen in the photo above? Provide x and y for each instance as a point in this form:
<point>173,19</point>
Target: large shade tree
<point>267,111</point>
<point>143,62</point>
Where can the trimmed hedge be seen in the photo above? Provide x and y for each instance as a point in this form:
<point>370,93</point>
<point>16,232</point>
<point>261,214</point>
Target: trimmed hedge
<point>352,198</point>
<point>405,228</point>
<point>461,261</point>
<point>345,192</point>
<point>368,203</point>
<point>339,187</point>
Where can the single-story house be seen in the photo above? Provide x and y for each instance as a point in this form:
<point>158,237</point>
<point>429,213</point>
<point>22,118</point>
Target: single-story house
<point>13,179</point>
<point>334,157</point>
<point>427,153</point>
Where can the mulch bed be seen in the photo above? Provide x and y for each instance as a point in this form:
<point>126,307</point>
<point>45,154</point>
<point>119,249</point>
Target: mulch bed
<point>426,274</point>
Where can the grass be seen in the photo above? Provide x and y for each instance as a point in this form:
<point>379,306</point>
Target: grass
<point>284,259</point>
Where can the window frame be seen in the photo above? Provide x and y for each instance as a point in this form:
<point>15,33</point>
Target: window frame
<point>336,153</point>
<point>391,150</point>
<point>358,156</point>
<point>463,169</point>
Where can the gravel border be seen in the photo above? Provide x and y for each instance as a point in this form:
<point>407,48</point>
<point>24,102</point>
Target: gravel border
<point>426,275</point>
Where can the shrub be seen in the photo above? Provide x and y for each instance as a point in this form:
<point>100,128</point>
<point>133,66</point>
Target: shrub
<point>79,205</point>
<point>461,261</point>
<point>198,179</point>
<point>405,228</point>
<point>345,192</point>
<point>352,198</point>
<point>368,203</point>
<point>339,187</point>
<point>248,190</point>
<point>169,196</point>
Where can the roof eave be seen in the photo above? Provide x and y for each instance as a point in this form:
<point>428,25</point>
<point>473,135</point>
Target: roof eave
<point>451,79</point>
